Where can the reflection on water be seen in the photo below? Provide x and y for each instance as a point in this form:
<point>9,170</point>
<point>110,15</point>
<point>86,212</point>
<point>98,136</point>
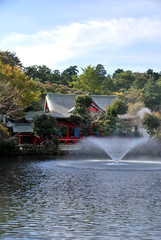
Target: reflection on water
<point>51,200</point>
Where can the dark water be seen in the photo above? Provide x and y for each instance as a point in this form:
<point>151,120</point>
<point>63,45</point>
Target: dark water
<point>76,199</point>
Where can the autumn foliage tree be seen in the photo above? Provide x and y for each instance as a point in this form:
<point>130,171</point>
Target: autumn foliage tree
<point>16,90</point>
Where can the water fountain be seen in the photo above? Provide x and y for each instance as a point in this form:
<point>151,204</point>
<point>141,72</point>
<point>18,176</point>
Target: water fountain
<point>117,147</point>
<point>115,154</point>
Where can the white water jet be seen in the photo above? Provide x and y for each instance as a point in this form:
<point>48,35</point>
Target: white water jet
<point>117,147</point>
<point>142,112</point>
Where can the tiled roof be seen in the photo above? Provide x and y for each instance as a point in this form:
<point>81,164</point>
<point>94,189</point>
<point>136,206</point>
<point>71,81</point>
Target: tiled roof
<point>60,104</point>
<point>22,127</point>
<point>103,100</point>
<point>30,115</point>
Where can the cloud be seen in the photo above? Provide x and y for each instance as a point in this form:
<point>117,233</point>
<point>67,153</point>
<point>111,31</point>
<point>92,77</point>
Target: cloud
<point>82,39</point>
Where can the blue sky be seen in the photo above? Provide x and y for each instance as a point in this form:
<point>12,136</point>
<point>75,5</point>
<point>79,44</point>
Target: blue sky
<point>61,33</point>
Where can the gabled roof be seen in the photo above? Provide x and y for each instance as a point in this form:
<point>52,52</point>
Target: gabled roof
<point>61,105</point>
<point>22,128</point>
<point>30,115</point>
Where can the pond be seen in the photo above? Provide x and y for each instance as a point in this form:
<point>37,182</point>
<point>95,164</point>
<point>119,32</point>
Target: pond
<point>74,198</point>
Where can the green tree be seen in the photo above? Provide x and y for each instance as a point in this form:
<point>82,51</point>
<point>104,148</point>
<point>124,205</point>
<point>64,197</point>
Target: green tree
<point>151,122</point>
<point>81,114</point>
<point>10,58</point>
<point>151,74</point>
<point>133,95</point>
<point>56,77</point>
<point>118,106</point>
<point>152,96</point>
<point>140,79</point>
<point>67,75</point>
<point>101,71</point>
<point>89,81</point>
<point>108,85</point>
<point>41,73</point>
<point>123,81</point>
<point>44,125</point>
<point>123,128</point>
<point>105,123</point>
<point>118,71</point>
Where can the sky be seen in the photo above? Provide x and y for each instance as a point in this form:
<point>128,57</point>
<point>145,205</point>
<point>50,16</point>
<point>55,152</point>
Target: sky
<point>122,34</point>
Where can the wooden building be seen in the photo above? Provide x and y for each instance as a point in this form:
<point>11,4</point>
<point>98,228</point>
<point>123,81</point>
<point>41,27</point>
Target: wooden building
<point>60,106</point>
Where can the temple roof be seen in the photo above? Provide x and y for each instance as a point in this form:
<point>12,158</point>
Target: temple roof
<point>61,104</point>
<point>22,127</point>
<point>30,115</point>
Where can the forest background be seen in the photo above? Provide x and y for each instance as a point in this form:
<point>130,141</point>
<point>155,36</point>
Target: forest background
<point>23,89</point>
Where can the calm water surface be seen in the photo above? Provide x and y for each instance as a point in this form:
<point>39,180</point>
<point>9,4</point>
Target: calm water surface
<point>80,199</point>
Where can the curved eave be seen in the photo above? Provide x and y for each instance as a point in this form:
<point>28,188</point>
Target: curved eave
<point>97,105</point>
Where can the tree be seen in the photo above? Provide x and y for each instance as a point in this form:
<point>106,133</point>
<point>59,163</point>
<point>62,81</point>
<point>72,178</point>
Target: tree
<point>133,95</point>
<point>16,90</point>
<point>151,74</point>
<point>140,79</point>
<point>44,126</point>
<point>118,106</point>
<point>56,77</point>
<point>10,58</point>
<point>89,81</point>
<point>118,71</point>
<point>152,96</point>
<point>4,133</point>
<point>151,122</point>
<point>81,114</point>
<point>67,75</point>
<point>134,108</point>
<point>123,128</point>
<point>41,73</point>
<point>108,85</point>
<point>101,71</point>
<point>105,123</point>
<point>123,81</point>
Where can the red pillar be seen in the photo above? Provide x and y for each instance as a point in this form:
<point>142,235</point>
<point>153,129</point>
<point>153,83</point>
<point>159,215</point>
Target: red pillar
<point>35,140</point>
<point>19,140</point>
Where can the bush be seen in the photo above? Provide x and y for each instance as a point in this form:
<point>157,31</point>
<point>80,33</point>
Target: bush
<point>151,122</point>
<point>44,125</point>
<point>118,106</point>
<point>4,133</point>
<point>9,147</point>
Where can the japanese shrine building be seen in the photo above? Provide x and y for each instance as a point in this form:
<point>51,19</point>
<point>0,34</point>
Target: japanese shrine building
<point>61,106</point>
